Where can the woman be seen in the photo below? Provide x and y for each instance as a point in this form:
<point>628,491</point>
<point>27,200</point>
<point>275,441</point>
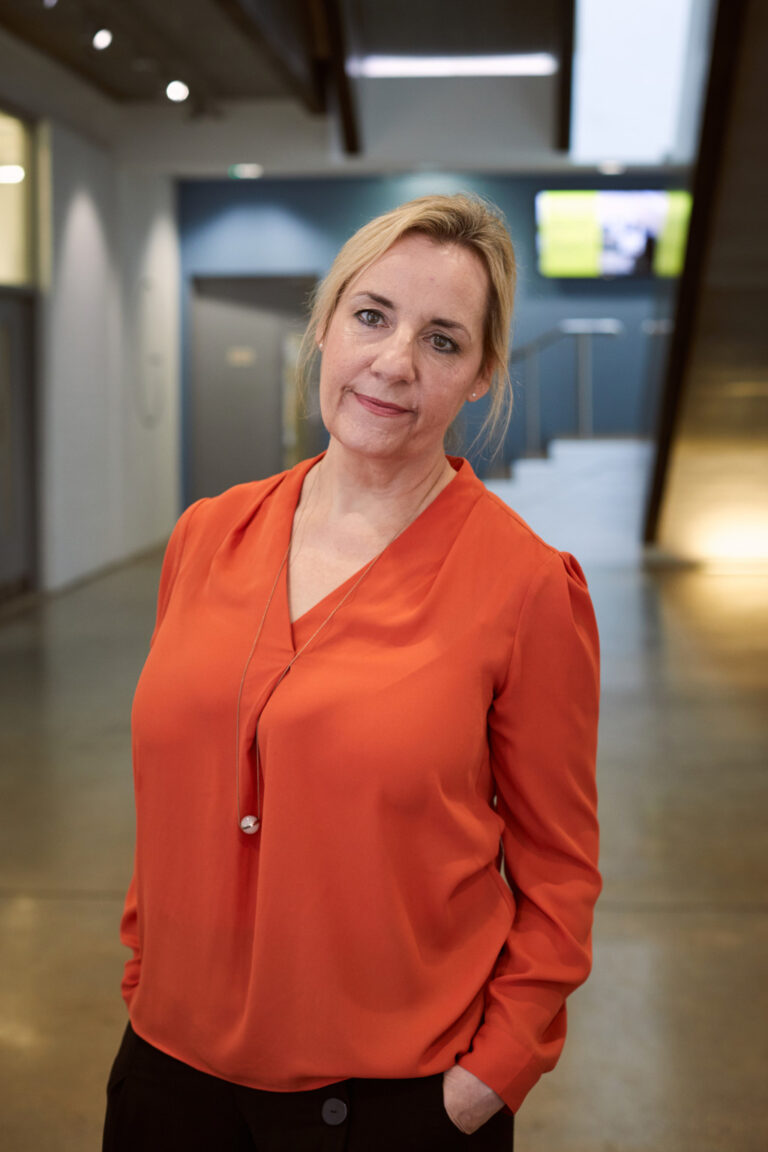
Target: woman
<point>368,681</point>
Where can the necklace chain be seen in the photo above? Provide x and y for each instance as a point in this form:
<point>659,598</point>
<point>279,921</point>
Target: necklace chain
<point>251,824</point>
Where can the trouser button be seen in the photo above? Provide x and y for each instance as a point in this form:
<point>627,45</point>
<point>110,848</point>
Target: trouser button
<point>334,1111</point>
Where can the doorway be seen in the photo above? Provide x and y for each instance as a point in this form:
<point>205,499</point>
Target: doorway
<point>243,418</point>
<point>17,488</point>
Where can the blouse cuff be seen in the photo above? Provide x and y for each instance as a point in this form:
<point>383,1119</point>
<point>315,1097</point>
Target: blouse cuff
<point>511,1075</point>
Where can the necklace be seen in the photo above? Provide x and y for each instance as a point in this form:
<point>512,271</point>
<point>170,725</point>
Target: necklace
<point>250,824</point>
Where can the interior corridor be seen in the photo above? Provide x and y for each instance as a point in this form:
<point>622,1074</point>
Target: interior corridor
<point>667,1048</point>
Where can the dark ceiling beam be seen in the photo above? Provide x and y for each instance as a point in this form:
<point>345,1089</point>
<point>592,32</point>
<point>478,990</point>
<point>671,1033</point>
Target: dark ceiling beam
<point>337,43</point>
<point>567,37</point>
<point>283,29</point>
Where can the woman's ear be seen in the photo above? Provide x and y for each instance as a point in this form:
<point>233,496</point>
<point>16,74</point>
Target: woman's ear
<point>481,384</point>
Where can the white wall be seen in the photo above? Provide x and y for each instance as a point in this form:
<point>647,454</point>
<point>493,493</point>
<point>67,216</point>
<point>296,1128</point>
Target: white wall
<point>638,72</point>
<point>79,364</point>
<point>474,122</point>
<point>150,470</point>
<point>108,407</point>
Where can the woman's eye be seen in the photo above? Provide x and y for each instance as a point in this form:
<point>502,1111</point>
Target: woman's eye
<point>443,343</point>
<point>369,316</point>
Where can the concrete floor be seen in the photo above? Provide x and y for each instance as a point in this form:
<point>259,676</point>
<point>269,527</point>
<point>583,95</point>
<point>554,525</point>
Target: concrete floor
<point>668,1045</point>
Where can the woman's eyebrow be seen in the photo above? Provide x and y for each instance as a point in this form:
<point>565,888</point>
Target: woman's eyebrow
<point>448,323</point>
<point>373,296</point>
<point>385,303</point>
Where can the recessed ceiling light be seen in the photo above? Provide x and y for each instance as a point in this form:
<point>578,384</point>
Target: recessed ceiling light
<point>102,39</point>
<point>11,173</point>
<point>177,91</point>
<point>384,67</point>
<point>50,3</point>
<point>246,171</point>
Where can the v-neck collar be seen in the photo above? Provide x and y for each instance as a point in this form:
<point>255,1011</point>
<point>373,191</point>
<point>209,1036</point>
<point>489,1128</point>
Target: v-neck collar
<point>427,536</point>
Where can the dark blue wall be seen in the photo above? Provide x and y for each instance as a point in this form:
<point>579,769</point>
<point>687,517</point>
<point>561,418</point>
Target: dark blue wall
<point>295,227</point>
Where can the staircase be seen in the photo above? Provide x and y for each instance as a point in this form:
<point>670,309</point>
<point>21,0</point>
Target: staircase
<point>586,497</point>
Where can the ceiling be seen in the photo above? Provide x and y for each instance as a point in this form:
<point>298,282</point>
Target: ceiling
<point>250,50</point>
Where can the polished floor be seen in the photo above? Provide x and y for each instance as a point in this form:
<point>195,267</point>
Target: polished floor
<point>668,1045</point>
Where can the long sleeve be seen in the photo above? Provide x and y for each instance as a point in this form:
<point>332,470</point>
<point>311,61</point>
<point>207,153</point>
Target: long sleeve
<point>129,923</point>
<point>543,736</point>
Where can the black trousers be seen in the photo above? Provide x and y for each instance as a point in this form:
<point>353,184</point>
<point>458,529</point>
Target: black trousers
<point>155,1102</point>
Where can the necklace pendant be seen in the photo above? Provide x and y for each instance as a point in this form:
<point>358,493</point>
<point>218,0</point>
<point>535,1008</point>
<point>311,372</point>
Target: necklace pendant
<point>250,824</point>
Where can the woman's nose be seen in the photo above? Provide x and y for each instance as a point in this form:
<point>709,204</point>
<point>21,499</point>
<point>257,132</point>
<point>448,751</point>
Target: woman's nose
<point>395,359</point>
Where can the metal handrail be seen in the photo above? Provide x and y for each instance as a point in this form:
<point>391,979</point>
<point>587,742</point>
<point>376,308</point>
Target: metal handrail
<point>582,330</point>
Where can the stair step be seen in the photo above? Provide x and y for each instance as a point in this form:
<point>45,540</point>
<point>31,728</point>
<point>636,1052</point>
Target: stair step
<point>587,497</point>
<point>603,448</point>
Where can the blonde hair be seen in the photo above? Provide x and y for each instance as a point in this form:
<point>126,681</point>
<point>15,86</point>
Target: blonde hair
<point>459,219</point>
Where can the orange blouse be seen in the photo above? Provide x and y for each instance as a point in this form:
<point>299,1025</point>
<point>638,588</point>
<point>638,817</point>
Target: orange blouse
<point>447,710</point>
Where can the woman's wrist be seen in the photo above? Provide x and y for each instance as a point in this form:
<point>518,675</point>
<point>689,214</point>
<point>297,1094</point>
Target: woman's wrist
<point>468,1101</point>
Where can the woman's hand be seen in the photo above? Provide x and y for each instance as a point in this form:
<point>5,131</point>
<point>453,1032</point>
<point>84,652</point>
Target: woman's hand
<point>467,1100</point>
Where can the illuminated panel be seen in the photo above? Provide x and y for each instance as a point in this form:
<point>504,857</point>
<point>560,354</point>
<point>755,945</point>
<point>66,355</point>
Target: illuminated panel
<point>15,203</point>
<point>606,234</point>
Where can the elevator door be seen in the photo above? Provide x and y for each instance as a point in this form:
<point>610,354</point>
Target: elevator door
<point>240,422</point>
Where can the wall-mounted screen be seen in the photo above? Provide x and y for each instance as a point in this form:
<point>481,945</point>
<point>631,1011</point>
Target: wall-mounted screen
<point>605,234</point>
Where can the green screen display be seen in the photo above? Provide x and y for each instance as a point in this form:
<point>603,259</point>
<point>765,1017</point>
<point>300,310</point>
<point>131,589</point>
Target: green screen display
<point>605,234</point>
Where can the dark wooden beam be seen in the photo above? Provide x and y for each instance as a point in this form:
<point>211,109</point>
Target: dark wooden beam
<point>337,42</point>
<point>567,28</point>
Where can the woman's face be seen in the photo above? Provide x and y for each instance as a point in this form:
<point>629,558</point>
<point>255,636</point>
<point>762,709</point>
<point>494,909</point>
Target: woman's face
<point>404,350</point>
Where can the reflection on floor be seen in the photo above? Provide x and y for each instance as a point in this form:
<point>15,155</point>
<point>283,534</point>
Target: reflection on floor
<point>667,1040</point>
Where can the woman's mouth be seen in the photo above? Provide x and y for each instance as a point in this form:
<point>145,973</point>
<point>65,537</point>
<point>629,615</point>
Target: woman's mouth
<point>380,407</point>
